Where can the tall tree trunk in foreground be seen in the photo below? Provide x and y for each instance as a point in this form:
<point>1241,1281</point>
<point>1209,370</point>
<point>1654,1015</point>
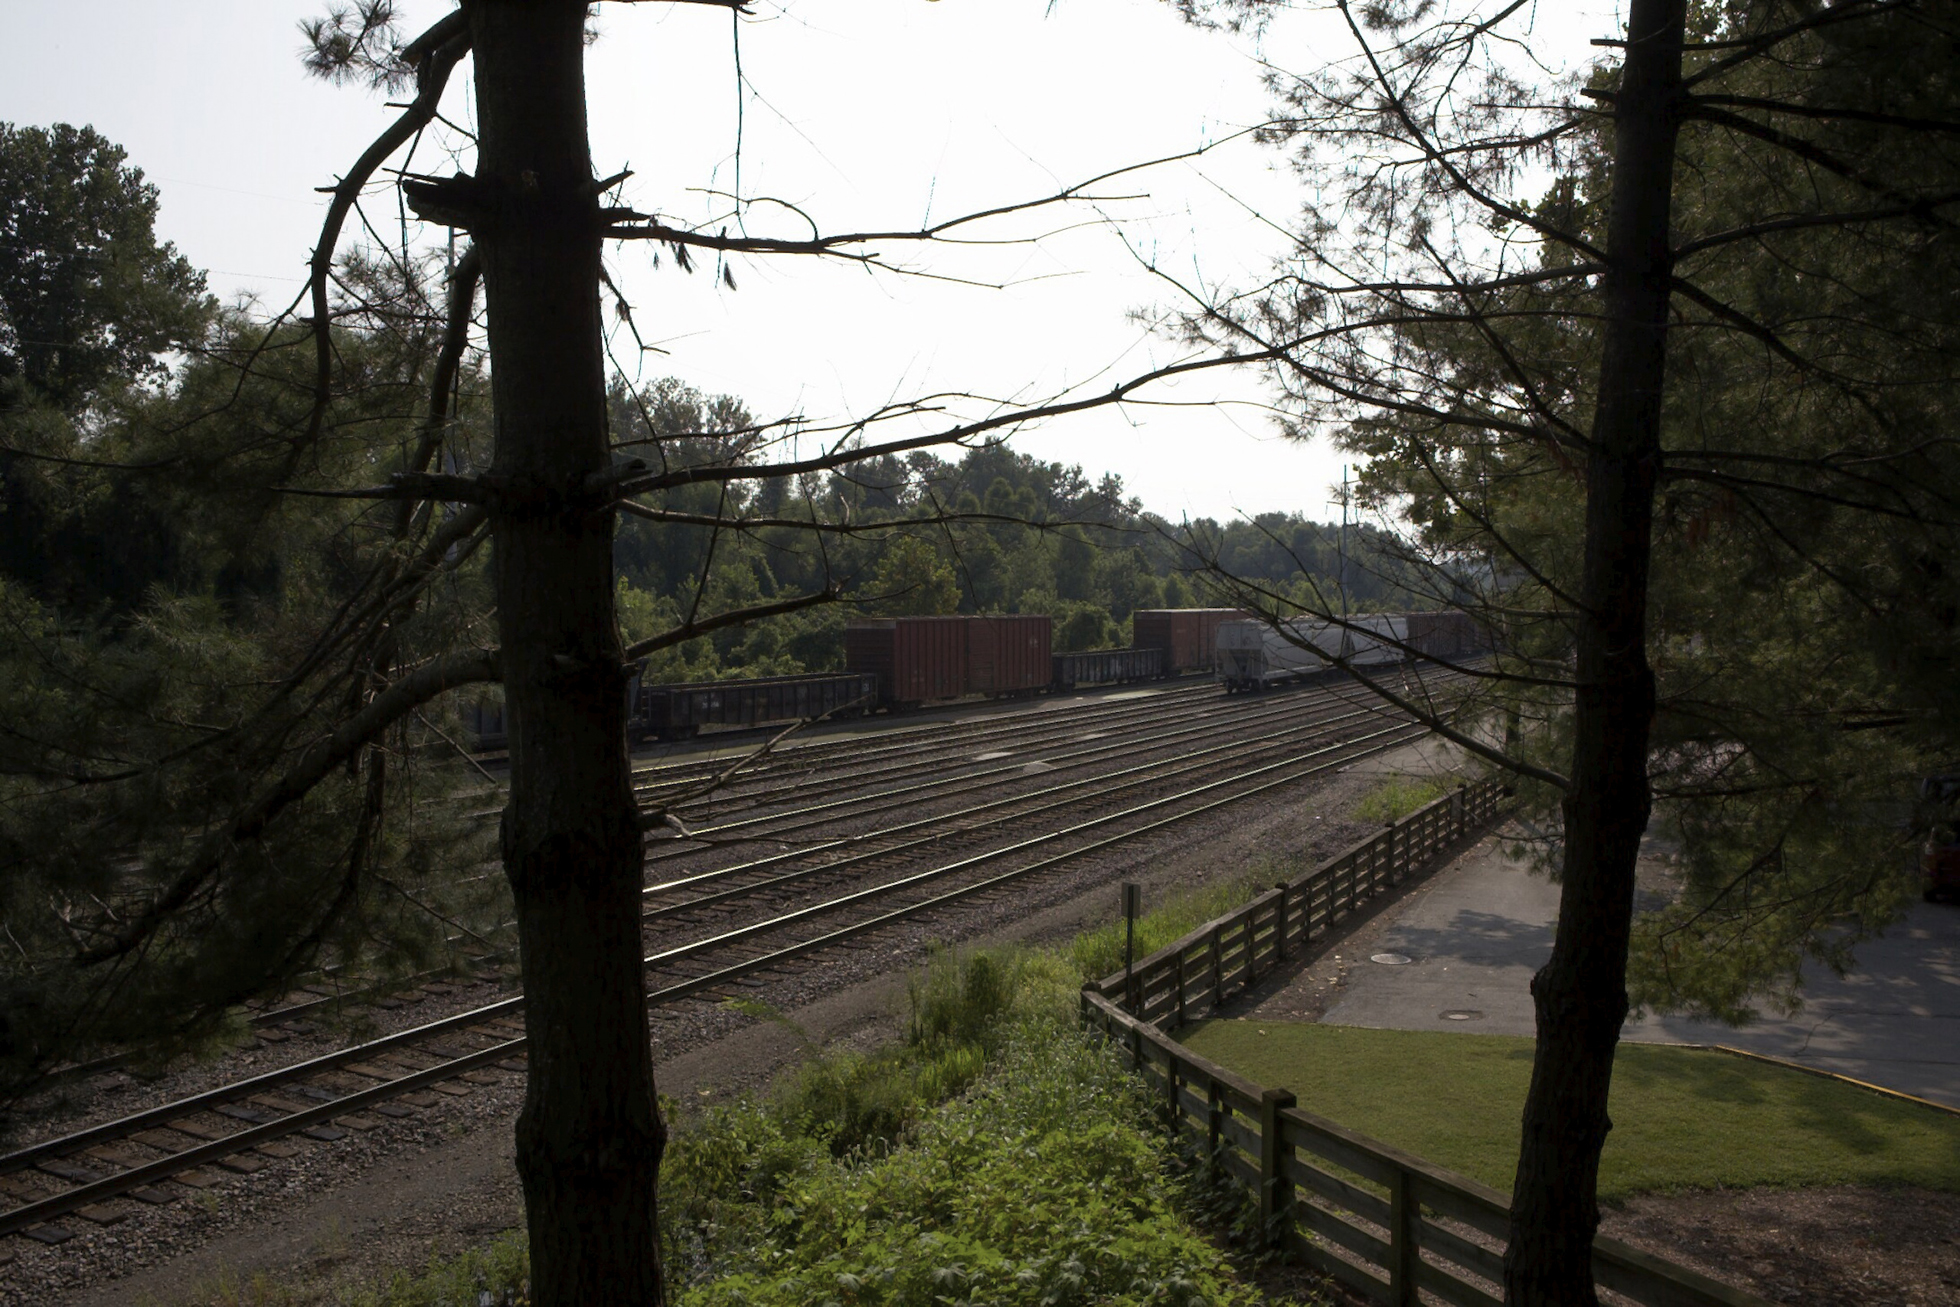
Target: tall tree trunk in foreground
<point>1580,994</point>
<point>590,1137</point>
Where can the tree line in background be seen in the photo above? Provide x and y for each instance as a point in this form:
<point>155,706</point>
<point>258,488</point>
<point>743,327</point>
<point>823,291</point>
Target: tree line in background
<point>175,574</point>
<point>995,531</point>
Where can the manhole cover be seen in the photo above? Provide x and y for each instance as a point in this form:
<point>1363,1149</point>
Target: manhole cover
<point>1462,1014</point>
<point>1391,959</point>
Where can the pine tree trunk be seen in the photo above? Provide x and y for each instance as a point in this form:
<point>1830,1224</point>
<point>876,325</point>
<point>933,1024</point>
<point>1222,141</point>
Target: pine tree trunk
<point>1580,994</point>
<point>590,1137</point>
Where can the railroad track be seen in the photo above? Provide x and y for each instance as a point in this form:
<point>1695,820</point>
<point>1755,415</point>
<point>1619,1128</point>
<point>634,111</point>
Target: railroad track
<point>686,893</point>
<point>1124,725</point>
<point>811,765</point>
<point>155,1155</point>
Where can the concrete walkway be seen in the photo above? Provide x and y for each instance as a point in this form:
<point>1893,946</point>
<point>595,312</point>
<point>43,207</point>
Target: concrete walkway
<point>1473,935</point>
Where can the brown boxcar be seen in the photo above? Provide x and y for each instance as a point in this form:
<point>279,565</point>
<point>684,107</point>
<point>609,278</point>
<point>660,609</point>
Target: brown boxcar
<point>919,659</point>
<point>914,658</point>
<point>1008,654</point>
<point>1188,636</point>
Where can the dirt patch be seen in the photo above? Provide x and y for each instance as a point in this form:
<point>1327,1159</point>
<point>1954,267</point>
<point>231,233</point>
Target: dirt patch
<point>1814,1247</point>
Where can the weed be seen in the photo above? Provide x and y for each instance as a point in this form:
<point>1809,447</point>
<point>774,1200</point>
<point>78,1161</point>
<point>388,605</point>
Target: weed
<point>1098,953</point>
<point>1398,796</point>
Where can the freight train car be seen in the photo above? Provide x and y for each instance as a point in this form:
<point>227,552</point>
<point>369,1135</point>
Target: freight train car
<point>1253,655</point>
<point>922,659</point>
<point>1188,637</point>
<point>1449,634</point>
<point>674,712</point>
<point>1106,667</point>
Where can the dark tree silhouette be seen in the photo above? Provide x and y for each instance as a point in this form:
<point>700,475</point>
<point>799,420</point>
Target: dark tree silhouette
<point>1750,199</point>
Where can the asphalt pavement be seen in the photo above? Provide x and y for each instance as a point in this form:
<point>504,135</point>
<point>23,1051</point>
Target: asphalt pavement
<point>1459,954</point>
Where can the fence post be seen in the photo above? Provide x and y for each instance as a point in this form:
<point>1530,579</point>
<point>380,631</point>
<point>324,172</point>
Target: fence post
<point>1217,969</point>
<point>1275,1189</point>
<point>1457,825</point>
<point>1404,1252</point>
<point>1279,935</point>
<point>1175,1116</point>
<point>1180,988</point>
<point>1390,874</point>
<point>1214,1126</point>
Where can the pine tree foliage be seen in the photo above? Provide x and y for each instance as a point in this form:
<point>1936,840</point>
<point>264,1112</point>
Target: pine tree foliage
<point>1678,425</point>
<point>1802,603</point>
<point>191,632</point>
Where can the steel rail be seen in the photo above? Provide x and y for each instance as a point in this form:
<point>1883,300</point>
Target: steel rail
<point>965,732</point>
<point>301,1009</point>
<point>23,1158</point>
<point>761,784</point>
<point>725,938</point>
<point>695,984</point>
<point>1141,774</point>
<point>900,796</point>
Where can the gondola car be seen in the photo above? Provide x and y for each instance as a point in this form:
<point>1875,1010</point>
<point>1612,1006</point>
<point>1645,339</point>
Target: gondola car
<point>1106,667</point>
<point>674,712</point>
<point>1252,655</point>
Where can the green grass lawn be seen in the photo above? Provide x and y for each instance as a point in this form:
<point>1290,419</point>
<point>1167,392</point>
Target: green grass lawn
<point>1682,1118</point>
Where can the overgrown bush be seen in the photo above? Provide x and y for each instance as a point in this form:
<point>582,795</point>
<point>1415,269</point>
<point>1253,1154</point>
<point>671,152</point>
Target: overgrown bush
<point>996,1155</point>
<point>1046,1184</point>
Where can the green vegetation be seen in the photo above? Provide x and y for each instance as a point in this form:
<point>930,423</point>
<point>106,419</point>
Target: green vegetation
<point>993,1155</point>
<point>1682,1118</point>
<point>1098,953</point>
<point>1398,796</point>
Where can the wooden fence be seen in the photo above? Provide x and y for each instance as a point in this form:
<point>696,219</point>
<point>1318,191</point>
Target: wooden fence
<point>1388,1225</point>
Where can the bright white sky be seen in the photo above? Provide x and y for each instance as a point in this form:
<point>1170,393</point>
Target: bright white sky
<point>872,114</point>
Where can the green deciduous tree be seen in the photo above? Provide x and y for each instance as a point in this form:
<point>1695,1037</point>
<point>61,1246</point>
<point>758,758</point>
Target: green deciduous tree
<point>88,297</point>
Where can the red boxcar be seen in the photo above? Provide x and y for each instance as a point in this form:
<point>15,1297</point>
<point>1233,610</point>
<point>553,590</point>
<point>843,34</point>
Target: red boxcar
<point>1008,654</point>
<point>918,659</point>
<point>1188,636</point>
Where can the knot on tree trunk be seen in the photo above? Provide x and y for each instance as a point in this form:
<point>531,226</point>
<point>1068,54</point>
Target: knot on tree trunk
<point>485,206</point>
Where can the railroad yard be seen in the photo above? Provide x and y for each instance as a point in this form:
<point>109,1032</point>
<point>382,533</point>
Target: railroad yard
<point>795,880</point>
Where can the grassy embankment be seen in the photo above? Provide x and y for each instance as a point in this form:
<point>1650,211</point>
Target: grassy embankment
<point>990,1156</point>
<point>1682,1118</point>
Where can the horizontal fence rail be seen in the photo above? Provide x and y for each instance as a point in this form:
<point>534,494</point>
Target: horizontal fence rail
<point>1387,1225</point>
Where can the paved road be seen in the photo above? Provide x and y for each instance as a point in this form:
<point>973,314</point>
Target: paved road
<point>1476,933</point>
